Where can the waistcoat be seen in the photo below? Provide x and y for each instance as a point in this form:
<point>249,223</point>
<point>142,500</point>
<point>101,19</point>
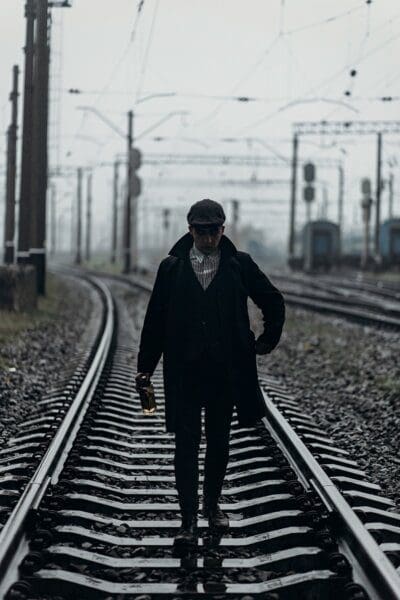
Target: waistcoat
<point>202,324</point>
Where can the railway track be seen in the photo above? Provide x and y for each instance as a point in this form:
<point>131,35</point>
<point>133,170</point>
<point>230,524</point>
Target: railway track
<point>363,303</point>
<point>357,301</point>
<point>98,517</point>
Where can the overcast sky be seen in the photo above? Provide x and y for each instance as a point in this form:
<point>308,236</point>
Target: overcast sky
<point>294,57</point>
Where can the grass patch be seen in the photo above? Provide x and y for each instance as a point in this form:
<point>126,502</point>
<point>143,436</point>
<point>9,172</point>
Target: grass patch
<point>13,323</point>
<point>98,264</point>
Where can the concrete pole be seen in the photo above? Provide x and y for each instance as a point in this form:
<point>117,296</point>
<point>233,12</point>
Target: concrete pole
<point>365,255</point>
<point>166,213</point>
<point>39,147</point>
<point>366,210</point>
<point>378,196</point>
<point>53,220</point>
<point>293,196</point>
<point>78,255</point>
<point>128,201</point>
<point>235,221</point>
<point>26,166</point>
<point>9,232</point>
<point>308,212</point>
<point>88,218</point>
<point>340,205</point>
<point>115,213</point>
<point>135,232</point>
<point>391,186</point>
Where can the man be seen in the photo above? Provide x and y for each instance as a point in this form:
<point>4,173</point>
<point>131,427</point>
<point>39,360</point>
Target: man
<point>197,318</point>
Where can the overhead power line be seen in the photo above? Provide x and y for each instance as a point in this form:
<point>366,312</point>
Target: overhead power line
<point>147,52</point>
<point>326,21</point>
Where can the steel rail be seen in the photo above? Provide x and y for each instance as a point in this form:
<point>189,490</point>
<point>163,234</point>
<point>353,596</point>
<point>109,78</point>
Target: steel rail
<point>13,534</point>
<point>336,308</point>
<point>372,568</point>
<point>346,300</point>
<point>360,315</point>
<point>377,571</point>
<point>343,286</point>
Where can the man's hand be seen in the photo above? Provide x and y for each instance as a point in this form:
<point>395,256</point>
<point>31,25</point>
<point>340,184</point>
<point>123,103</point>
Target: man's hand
<point>262,347</point>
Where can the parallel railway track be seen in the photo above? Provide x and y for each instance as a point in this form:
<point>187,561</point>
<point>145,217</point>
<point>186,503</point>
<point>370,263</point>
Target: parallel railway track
<point>98,517</point>
<point>363,302</point>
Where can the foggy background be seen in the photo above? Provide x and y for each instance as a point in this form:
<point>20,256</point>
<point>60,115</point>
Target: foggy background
<point>223,78</point>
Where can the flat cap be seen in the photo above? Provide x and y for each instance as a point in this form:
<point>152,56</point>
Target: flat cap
<point>206,212</point>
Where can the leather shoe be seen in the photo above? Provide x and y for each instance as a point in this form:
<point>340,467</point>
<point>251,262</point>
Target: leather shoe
<point>187,533</point>
<point>216,518</point>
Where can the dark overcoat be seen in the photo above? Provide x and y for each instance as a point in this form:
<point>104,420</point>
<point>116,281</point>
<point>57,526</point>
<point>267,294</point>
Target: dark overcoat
<point>164,326</point>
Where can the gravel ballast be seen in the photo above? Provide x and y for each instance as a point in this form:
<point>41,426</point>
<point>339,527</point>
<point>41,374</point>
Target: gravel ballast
<point>35,359</point>
<point>347,377</point>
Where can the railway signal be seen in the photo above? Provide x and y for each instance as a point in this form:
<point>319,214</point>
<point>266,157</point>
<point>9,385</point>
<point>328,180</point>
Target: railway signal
<point>309,172</point>
<point>166,218</point>
<point>134,188</point>
<point>366,186</point>
<point>166,224</point>
<point>309,190</point>
<point>308,193</point>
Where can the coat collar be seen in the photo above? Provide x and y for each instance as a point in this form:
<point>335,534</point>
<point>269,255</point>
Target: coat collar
<point>182,247</point>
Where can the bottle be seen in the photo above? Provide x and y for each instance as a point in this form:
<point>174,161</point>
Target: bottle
<point>146,395</point>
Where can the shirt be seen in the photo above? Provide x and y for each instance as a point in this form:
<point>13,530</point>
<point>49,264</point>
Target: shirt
<point>204,266</point>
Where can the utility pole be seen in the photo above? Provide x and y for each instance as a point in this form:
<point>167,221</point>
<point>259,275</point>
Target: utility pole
<point>9,232</point>
<point>128,207</point>
<point>235,221</point>
<point>325,202</point>
<point>136,186</point>
<point>293,196</point>
<point>115,213</point>
<point>78,255</point>
<point>340,206</point>
<point>378,195</point>
<point>166,225</point>
<point>53,219</point>
<point>26,166</point>
<point>72,232</point>
<point>340,197</point>
<point>366,204</point>
<point>122,196</point>
<point>391,178</point>
<point>39,147</point>
<point>88,216</point>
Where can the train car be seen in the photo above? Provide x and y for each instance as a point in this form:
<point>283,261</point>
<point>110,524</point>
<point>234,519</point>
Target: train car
<point>321,245</point>
<point>389,241</point>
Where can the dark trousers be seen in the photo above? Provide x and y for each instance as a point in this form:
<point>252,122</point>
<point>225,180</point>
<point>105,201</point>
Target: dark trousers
<point>204,386</point>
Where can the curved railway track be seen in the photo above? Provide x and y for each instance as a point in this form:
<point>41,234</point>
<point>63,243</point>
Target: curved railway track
<point>98,517</point>
<point>363,302</point>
